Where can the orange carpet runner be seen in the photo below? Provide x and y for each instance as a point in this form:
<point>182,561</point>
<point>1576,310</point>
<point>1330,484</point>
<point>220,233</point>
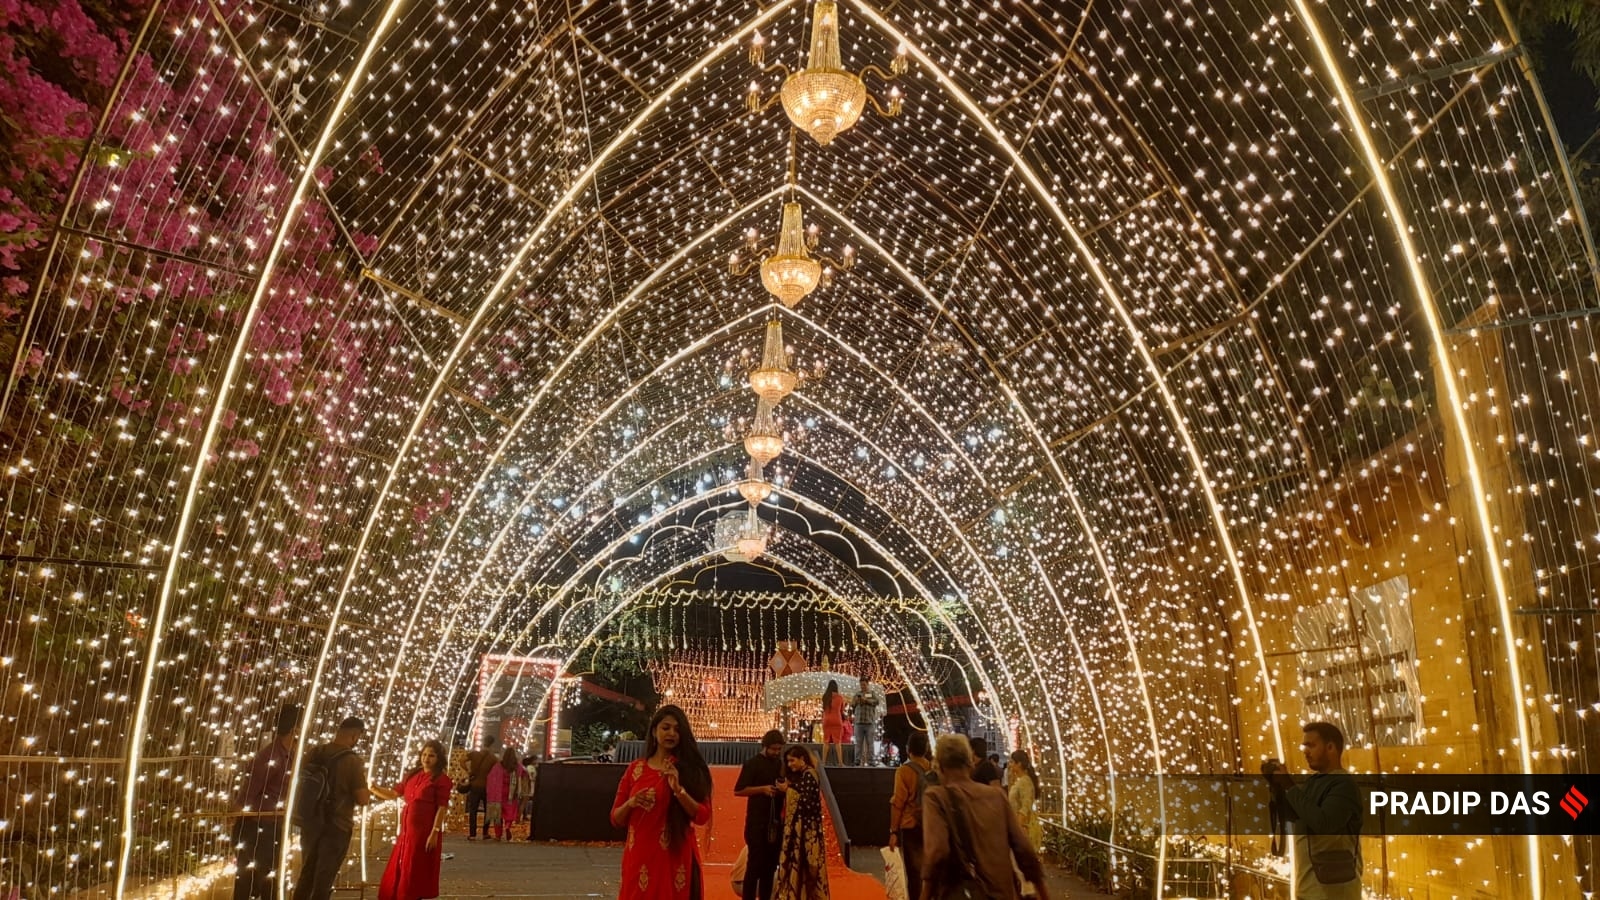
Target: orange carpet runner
<point>720,845</point>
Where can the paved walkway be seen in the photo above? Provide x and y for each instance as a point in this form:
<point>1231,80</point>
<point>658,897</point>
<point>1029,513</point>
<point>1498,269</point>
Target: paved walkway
<point>522,870</point>
<point>518,870</point>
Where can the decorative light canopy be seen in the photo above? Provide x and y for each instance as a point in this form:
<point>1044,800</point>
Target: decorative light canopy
<point>755,488</point>
<point>764,440</point>
<point>773,380</point>
<point>791,273</point>
<point>824,99</point>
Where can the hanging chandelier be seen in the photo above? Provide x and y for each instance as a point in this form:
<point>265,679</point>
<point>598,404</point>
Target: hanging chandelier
<point>764,440</point>
<point>741,537</point>
<point>773,380</point>
<point>751,542</point>
<point>791,273</point>
<point>755,488</point>
<point>725,535</point>
<point>824,99</point>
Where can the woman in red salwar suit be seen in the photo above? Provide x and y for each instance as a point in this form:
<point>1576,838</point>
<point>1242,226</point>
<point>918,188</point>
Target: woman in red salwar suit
<point>658,800</point>
<point>413,872</point>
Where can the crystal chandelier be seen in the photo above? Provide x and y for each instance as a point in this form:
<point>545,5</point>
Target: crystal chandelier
<point>755,487</point>
<point>764,440</point>
<point>751,541</point>
<point>724,533</point>
<point>824,99</point>
<point>790,273</point>
<point>741,537</point>
<point>773,380</point>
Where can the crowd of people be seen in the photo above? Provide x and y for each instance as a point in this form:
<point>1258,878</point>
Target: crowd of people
<point>333,783</point>
<point>962,828</point>
<point>960,835</point>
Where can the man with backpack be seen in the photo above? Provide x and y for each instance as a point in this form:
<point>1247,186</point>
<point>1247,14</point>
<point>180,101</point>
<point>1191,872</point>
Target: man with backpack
<point>332,783</point>
<point>911,781</point>
<point>479,763</point>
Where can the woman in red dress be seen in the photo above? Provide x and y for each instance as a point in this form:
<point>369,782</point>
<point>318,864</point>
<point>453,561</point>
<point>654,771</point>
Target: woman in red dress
<point>658,799</point>
<point>413,872</point>
<point>832,722</point>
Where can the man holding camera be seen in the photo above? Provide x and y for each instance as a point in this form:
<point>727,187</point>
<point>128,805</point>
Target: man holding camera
<point>1326,810</point>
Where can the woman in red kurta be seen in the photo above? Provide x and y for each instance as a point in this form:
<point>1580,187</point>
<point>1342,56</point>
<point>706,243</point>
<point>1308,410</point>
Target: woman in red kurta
<point>658,799</point>
<point>413,872</point>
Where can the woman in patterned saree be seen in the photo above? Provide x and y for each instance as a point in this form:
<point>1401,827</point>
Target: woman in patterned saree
<point>658,799</point>
<point>803,861</point>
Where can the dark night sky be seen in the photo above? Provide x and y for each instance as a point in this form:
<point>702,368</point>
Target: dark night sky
<point>1571,96</point>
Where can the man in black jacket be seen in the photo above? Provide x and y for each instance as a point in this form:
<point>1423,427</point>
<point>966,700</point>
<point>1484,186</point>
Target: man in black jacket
<point>1325,810</point>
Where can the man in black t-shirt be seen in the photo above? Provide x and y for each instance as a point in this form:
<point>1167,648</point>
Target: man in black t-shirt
<point>761,780</point>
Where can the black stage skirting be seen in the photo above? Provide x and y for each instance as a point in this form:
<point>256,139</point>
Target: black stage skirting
<point>723,753</point>
<point>573,800</point>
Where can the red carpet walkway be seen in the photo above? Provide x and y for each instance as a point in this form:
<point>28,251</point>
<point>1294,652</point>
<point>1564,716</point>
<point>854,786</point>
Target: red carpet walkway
<point>721,843</point>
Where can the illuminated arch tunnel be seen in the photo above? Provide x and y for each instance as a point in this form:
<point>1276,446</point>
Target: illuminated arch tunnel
<point>1194,364</point>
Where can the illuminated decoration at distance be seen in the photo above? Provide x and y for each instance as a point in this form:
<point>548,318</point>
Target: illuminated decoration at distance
<point>740,537</point>
<point>755,488</point>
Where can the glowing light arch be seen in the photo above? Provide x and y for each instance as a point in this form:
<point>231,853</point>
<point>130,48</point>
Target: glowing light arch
<point>720,491</point>
<point>844,347</point>
<point>1400,222</point>
<point>1043,195</point>
<point>176,555</point>
<point>840,597</point>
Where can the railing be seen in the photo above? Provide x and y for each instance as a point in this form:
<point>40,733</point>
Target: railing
<point>839,831</point>
<point>1114,868</point>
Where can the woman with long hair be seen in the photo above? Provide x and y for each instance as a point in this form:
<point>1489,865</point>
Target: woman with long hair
<point>1023,792</point>
<point>413,870</point>
<point>658,799</point>
<point>832,722</point>
<point>803,860</point>
<point>500,791</point>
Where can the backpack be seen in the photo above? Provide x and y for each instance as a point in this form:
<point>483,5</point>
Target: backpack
<point>313,795</point>
<point>926,778</point>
